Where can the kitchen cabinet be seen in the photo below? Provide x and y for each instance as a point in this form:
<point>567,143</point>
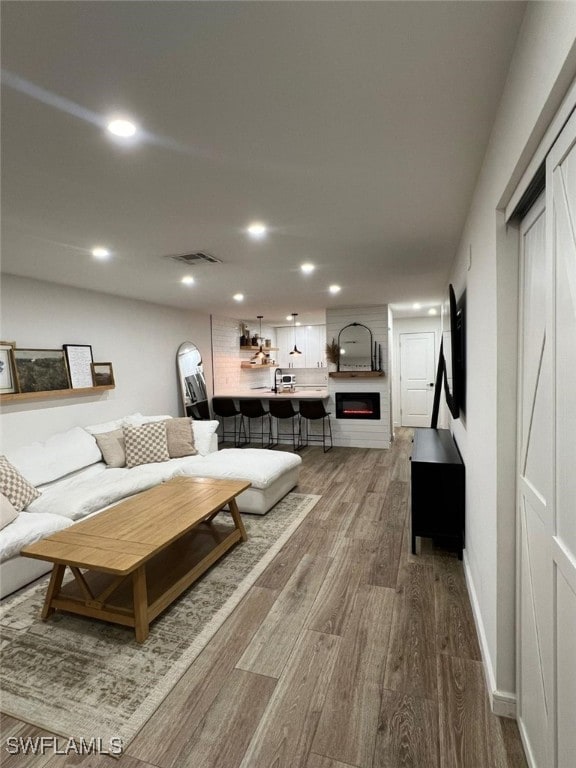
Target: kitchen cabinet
<point>311,341</point>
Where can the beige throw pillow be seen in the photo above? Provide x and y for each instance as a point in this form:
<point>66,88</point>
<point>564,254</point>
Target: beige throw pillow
<point>146,444</point>
<point>15,487</point>
<point>112,448</point>
<point>180,438</point>
<point>7,512</point>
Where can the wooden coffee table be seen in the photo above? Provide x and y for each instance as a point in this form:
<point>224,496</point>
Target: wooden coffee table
<point>133,560</point>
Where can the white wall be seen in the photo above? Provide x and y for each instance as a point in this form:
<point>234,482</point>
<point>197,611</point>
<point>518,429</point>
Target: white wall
<point>543,66</point>
<point>412,325</point>
<point>138,338</point>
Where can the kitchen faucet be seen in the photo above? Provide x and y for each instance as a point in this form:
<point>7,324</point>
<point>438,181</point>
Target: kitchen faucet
<point>276,372</point>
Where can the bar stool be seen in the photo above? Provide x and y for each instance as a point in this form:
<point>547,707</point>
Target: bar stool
<point>225,408</point>
<point>253,409</point>
<point>283,409</point>
<point>314,410</point>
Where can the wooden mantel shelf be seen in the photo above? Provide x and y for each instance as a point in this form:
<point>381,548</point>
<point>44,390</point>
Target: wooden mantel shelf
<point>20,397</point>
<point>355,374</point>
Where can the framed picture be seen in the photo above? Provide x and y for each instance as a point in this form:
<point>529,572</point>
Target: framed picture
<point>7,376</point>
<point>41,370</point>
<point>102,374</point>
<point>79,359</point>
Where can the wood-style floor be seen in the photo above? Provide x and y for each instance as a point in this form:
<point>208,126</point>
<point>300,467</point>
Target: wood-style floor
<point>348,650</point>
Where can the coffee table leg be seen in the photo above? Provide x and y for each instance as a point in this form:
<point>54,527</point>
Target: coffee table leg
<point>233,507</point>
<point>53,589</point>
<point>140,604</point>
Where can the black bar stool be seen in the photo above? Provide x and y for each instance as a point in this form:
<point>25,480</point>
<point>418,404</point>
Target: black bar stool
<point>314,410</point>
<point>283,409</point>
<point>225,408</point>
<point>253,409</point>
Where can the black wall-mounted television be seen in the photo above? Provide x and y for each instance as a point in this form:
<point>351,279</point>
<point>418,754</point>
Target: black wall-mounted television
<point>451,371</point>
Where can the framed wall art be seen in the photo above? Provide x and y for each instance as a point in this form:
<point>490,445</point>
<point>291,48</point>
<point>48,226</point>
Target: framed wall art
<point>8,383</point>
<point>102,374</point>
<point>41,370</point>
<point>79,359</point>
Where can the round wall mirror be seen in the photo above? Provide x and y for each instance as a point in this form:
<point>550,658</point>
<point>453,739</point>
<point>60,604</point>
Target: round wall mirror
<point>191,381</point>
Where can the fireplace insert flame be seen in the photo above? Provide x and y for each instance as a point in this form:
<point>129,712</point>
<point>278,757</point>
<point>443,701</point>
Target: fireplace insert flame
<point>357,405</point>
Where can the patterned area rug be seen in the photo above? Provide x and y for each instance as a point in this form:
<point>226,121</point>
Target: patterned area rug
<point>82,678</point>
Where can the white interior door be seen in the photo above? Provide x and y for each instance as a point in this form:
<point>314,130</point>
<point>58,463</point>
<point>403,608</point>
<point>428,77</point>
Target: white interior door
<point>547,468</point>
<point>417,375</point>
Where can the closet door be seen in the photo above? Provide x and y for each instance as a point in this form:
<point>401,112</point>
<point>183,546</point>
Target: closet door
<point>534,482</point>
<point>547,467</point>
<point>561,183</point>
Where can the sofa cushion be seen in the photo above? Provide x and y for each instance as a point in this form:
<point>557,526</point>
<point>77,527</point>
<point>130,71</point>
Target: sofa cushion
<point>203,432</point>
<point>27,529</point>
<point>180,438</point>
<point>262,468</point>
<point>15,487</point>
<point>146,444</point>
<point>112,447</point>
<point>61,454</point>
<point>7,511</point>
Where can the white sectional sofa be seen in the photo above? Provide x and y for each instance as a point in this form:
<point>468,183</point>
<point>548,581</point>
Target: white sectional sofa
<point>74,483</point>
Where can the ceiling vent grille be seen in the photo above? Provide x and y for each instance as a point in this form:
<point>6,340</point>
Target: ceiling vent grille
<point>196,257</point>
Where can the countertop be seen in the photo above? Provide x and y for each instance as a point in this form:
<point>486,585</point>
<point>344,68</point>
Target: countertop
<point>307,393</point>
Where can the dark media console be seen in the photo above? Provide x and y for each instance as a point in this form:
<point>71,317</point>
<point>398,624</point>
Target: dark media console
<point>437,474</point>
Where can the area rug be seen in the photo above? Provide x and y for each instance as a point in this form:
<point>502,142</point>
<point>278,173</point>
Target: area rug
<point>85,679</point>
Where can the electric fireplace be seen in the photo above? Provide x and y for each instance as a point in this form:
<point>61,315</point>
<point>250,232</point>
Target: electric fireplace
<point>357,405</point>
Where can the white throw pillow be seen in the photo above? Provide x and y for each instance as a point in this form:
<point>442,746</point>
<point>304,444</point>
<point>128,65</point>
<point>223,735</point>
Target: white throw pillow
<point>106,426</point>
<point>8,513</point>
<point>56,457</point>
<point>203,431</point>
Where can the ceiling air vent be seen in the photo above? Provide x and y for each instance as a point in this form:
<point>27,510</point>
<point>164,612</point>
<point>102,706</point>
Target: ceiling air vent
<point>197,257</point>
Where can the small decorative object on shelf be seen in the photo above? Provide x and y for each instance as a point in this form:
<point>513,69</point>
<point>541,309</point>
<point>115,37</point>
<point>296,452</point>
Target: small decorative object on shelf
<point>333,352</point>
<point>41,370</point>
<point>8,382</point>
<point>102,374</point>
<point>79,359</point>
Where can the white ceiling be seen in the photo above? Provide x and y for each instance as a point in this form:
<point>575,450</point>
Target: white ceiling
<point>354,130</point>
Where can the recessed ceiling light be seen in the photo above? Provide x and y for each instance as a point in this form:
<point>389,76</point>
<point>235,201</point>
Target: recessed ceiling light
<point>334,289</point>
<point>121,127</point>
<point>187,280</point>
<point>297,323</point>
<point>289,317</point>
<point>416,306</point>
<point>307,268</point>
<point>433,311</point>
<point>238,297</point>
<point>100,253</point>
<point>257,230</point>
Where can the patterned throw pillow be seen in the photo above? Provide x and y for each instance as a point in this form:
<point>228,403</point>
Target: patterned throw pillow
<point>15,487</point>
<point>146,444</point>
<point>180,438</point>
<point>111,445</point>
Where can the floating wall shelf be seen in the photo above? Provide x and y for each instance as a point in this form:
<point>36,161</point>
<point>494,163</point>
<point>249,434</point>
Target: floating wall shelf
<point>265,349</point>
<point>20,397</point>
<point>257,366</point>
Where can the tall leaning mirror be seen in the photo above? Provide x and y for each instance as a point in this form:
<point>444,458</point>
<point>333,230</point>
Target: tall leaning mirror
<point>191,381</point>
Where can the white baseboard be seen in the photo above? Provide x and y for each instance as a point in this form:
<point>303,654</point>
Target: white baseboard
<point>502,703</point>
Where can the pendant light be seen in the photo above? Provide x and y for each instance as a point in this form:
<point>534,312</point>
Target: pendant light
<point>260,355</point>
<point>295,351</point>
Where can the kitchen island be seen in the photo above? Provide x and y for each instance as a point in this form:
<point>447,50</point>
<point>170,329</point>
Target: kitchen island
<point>299,393</point>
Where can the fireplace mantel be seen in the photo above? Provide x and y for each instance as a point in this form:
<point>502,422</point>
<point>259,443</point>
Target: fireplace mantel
<point>355,374</point>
